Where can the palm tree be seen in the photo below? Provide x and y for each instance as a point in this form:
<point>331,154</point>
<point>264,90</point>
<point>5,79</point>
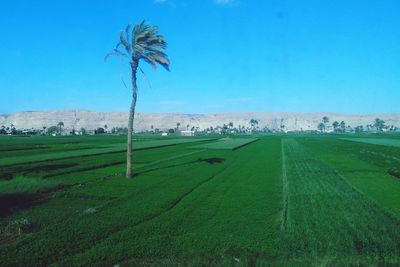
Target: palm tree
<point>379,124</point>
<point>342,126</point>
<point>325,119</point>
<point>253,123</point>
<point>359,129</point>
<point>321,127</point>
<point>335,126</point>
<point>60,127</point>
<point>142,43</point>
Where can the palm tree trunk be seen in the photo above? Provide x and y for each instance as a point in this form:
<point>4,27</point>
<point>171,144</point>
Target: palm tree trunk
<point>134,66</point>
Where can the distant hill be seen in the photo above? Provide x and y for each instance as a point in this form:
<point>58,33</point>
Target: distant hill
<point>90,120</point>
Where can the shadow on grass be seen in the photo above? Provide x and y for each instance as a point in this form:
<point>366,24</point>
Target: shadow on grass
<point>49,167</point>
<point>6,176</point>
<point>211,160</point>
<point>395,172</point>
<point>9,203</point>
<point>10,173</point>
<point>24,198</point>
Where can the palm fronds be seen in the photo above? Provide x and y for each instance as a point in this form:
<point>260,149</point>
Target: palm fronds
<point>143,42</point>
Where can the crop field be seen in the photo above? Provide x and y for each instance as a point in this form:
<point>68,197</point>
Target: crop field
<point>238,201</point>
<point>376,141</point>
<point>71,150</point>
<point>227,143</point>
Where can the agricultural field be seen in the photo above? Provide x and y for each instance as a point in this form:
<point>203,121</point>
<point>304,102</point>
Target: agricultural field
<point>227,143</point>
<point>376,141</point>
<point>271,200</point>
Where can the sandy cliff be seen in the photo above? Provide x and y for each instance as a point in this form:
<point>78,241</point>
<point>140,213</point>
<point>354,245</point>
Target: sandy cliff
<point>76,119</point>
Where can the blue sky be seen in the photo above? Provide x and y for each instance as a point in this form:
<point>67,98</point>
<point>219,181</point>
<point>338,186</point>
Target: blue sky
<point>226,56</point>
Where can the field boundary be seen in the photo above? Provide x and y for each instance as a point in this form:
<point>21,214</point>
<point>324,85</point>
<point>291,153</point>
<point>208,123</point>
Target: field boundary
<point>227,144</point>
<point>389,142</point>
<point>255,140</point>
<point>284,188</point>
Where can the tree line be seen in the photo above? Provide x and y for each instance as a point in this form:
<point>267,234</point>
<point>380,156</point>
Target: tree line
<point>377,125</point>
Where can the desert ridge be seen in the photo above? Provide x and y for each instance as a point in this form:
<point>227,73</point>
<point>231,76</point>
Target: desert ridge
<point>91,120</point>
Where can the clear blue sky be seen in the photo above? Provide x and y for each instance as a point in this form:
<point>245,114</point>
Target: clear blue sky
<point>243,55</point>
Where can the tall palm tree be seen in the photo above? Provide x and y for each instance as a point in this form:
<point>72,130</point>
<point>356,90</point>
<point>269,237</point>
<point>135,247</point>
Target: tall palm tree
<point>379,124</point>
<point>335,125</point>
<point>321,127</point>
<point>142,43</point>
<point>342,126</point>
<point>60,127</point>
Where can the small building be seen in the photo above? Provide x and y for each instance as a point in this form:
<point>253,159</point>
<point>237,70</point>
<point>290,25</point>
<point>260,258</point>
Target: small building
<point>164,134</point>
<point>187,133</point>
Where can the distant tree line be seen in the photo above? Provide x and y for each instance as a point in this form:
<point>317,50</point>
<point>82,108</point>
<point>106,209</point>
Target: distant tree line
<point>378,125</point>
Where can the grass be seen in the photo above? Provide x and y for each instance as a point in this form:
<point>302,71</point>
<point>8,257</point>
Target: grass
<point>306,200</point>
<point>24,185</point>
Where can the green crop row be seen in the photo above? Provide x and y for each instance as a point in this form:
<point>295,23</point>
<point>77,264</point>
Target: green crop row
<point>367,167</point>
<point>325,217</point>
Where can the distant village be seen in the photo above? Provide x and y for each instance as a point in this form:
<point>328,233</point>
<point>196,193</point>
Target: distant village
<point>324,127</point>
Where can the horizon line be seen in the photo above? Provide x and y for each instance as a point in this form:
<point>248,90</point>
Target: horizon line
<point>214,113</point>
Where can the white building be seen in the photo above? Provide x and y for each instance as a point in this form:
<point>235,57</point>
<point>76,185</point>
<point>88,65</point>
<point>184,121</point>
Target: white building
<point>187,133</point>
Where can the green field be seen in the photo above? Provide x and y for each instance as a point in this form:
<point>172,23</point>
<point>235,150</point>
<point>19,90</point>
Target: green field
<point>273,200</point>
<point>227,143</point>
<point>376,141</point>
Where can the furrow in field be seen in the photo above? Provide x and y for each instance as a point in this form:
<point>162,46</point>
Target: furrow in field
<point>116,148</point>
<point>229,144</point>
<point>285,214</point>
<point>330,219</point>
<point>86,169</point>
